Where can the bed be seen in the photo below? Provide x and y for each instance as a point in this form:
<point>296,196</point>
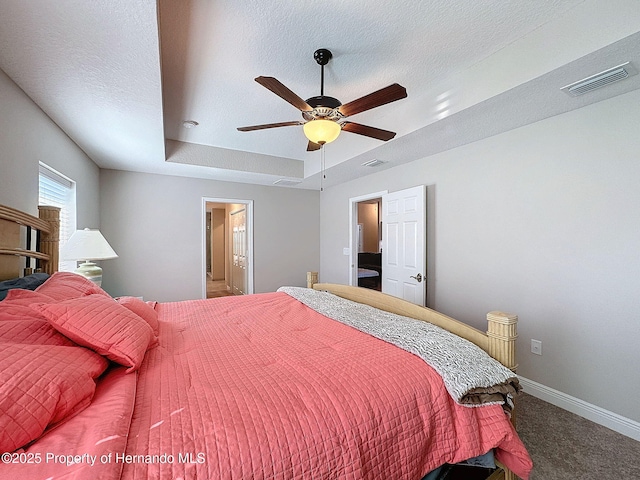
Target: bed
<point>327,382</point>
<point>370,270</point>
<point>368,278</point>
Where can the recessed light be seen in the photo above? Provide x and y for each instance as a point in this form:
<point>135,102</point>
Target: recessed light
<point>190,124</point>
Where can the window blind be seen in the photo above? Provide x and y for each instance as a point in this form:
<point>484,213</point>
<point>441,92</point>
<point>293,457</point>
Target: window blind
<point>57,190</point>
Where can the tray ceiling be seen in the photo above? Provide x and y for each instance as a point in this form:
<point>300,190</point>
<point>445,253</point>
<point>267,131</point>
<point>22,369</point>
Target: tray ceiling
<point>121,76</point>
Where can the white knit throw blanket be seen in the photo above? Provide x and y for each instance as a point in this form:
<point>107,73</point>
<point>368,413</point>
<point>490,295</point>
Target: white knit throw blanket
<point>470,375</point>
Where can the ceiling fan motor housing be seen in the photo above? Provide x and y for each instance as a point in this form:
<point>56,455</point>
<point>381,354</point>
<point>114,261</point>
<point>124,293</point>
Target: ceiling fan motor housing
<point>323,107</point>
<point>323,101</point>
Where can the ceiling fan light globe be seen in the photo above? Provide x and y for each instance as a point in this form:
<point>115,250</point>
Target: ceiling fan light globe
<point>321,131</point>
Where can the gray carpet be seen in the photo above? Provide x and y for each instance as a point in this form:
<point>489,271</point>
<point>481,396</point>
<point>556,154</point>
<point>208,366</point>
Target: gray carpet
<point>566,446</point>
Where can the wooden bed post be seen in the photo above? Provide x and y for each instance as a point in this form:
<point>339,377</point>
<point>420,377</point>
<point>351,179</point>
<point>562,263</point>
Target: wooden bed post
<point>503,332</point>
<point>50,242</point>
<point>312,279</point>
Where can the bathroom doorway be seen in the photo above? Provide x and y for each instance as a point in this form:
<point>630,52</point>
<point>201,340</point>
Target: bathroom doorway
<point>369,244</point>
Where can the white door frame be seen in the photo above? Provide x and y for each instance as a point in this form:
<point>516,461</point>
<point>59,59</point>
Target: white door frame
<point>203,223</point>
<point>353,232</point>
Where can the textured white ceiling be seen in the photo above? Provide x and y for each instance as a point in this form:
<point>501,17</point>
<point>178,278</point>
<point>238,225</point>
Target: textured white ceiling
<point>120,76</point>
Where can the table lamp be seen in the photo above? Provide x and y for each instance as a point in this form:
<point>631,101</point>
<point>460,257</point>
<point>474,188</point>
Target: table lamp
<point>86,245</point>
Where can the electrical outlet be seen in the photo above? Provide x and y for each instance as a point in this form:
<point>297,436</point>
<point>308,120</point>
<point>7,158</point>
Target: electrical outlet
<point>536,347</point>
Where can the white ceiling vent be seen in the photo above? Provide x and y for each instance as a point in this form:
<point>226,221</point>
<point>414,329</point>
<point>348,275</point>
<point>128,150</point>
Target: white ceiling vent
<point>287,182</point>
<point>601,79</point>
<point>373,163</point>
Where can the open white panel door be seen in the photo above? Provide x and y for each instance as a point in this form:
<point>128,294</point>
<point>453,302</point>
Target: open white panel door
<point>404,259</point>
<point>238,220</point>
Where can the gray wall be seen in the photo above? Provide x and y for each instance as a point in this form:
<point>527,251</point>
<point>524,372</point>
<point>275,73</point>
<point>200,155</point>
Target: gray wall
<point>155,222</point>
<point>542,221</point>
<point>29,136</point>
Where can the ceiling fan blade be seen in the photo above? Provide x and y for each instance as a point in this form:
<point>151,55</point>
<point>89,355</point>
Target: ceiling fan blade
<point>312,146</point>
<point>283,92</point>
<point>269,125</point>
<point>367,131</point>
<point>380,97</point>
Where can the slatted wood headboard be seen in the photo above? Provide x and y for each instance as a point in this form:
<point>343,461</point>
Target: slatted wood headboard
<point>18,247</point>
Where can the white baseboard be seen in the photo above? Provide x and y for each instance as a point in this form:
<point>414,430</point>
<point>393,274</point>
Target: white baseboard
<point>615,422</point>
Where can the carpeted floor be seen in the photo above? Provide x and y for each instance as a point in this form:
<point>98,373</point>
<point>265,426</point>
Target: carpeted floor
<point>565,446</point>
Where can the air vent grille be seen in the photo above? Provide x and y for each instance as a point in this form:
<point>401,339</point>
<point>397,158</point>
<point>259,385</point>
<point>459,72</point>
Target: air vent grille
<point>373,163</point>
<point>286,182</point>
<point>601,79</point>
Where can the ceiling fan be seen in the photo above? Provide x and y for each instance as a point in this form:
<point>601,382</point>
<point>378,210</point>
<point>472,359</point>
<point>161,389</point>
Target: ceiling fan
<point>324,116</point>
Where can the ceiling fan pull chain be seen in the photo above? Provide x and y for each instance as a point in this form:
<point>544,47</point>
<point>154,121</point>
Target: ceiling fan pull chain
<point>322,166</point>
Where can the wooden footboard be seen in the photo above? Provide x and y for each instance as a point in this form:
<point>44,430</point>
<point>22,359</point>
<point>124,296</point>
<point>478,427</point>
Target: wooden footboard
<point>499,341</point>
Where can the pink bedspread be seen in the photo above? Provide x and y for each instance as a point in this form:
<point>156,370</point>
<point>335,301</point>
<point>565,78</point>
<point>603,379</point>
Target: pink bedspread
<point>84,446</point>
<point>262,387</point>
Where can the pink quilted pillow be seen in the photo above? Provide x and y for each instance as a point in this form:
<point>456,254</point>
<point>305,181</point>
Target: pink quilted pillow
<point>67,285</point>
<point>142,309</point>
<point>100,323</point>
<point>25,297</point>
<point>41,386</point>
<point>33,331</point>
<point>16,305</point>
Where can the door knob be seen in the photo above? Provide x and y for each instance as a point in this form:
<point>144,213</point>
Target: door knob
<point>417,277</point>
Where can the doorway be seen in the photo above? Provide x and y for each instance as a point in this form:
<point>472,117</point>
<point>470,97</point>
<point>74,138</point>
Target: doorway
<point>227,247</point>
<point>365,239</point>
<point>369,259</point>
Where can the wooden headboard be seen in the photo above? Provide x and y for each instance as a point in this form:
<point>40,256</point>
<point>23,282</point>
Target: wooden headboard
<point>27,243</point>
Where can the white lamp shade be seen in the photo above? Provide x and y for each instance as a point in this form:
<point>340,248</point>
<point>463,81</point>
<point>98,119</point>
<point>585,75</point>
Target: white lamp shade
<point>321,131</point>
<point>87,244</point>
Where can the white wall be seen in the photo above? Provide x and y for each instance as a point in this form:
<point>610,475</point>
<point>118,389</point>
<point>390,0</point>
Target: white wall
<point>29,136</point>
<point>542,221</point>
<point>154,223</point>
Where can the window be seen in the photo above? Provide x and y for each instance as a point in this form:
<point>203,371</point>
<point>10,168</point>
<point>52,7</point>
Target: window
<point>59,191</point>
